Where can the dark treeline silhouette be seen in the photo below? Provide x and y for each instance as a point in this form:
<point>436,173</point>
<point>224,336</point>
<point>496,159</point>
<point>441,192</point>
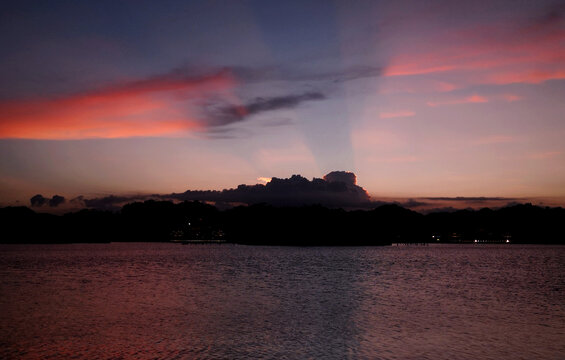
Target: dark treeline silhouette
<point>270,225</point>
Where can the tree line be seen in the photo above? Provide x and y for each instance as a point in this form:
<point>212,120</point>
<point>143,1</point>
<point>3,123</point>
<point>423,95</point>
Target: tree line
<point>263,224</point>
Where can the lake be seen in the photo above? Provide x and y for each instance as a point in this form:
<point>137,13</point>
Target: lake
<point>168,301</point>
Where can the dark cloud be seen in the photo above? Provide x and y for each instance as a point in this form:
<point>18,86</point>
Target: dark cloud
<point>411,203</point>
<point>554,15</point>
<point>37,200</point>
<point>294,191</point>
<point>514,203</point>
<point>341,176</point>
<point>277,122</point>
<point>278,73</point>
<point>111,202</point>
<point>446,209</point>
<point>225,133</point>
<point>248,75</point>
<point>256,74</point>
<point>550,20</point>
<point>78,201</point>
<point>358,72</point>
<point>220,115</point>
<point>56,200</point>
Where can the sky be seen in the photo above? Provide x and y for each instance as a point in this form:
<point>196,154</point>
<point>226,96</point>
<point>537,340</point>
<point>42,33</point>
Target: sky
<point>420,99</point>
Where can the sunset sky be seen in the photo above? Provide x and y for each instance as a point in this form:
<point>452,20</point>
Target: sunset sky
<point>417,98</point>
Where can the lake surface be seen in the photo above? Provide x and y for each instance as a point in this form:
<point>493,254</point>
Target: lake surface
<point>167,301</point>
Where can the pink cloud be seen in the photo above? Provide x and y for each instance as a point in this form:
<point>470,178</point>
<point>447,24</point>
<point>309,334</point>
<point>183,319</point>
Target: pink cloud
<point>545,155</point>
<point>476,99</point>
<point>138,108</point>
<point>473,99</point>
<point>396,114</point>
<point>526,76</point>
<point>496,139</point>
<point>500,53</point>
<point>445,87</point>
<point>512,97</point>
<point>414,68</point>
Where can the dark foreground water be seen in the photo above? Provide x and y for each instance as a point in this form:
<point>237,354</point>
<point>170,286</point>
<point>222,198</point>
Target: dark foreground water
<point>169,301</point>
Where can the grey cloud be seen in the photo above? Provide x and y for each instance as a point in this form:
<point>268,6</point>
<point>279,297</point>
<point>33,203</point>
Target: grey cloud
<point>358,73</point>
<point>56,200</point>
<point>227,114</point>
<point>259,74</point>
<point>277,122</point>
<point>37,200</point>
<point>554,15</point>
<point>221,113</point>
<point>341,176</point>
<point>277,73</point>
<point>411,203</point>
<point>293,191</point>
<point>447,209</point>
<point>78,201</point>
<point>111,202</point>
<point>225,133</point>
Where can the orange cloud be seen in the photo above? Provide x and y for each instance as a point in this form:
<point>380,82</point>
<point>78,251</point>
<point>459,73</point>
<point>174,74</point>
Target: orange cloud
<point>140,108</point>
<point>396,114</point>
<point>264,180</point>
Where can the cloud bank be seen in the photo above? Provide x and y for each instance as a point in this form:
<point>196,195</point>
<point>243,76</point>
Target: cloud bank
<point>337,189</point>
<point>39,200</point>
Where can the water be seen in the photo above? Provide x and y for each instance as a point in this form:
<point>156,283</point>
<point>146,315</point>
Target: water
<point>169,301</point>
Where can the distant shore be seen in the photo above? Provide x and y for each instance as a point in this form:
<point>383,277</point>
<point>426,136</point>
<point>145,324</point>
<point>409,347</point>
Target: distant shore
<point>195,222</point>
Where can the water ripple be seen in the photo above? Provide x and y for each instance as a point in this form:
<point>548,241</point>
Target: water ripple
<point>166,301</point>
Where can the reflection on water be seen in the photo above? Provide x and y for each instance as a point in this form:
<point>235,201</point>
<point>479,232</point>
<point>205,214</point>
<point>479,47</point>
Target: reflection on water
<point>226,301</point>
